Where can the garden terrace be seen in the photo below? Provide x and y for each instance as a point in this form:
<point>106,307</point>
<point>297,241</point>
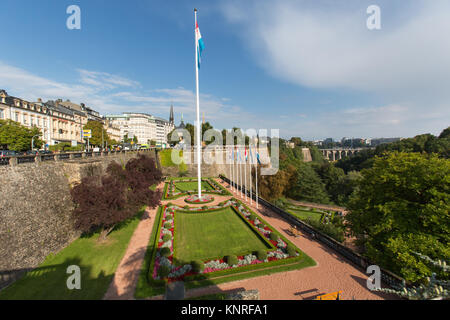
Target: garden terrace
<point>178,187</point>
<point>195,245</point>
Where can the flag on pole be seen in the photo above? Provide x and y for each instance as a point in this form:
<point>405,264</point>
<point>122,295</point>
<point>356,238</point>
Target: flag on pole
<point>257,156</point>
<point>200,44</point>
<point>246,155</point>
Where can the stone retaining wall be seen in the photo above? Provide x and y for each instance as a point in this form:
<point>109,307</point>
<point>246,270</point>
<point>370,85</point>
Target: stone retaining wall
<point>35,209</point>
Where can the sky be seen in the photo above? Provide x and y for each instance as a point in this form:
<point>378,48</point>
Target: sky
<point>311,69</point>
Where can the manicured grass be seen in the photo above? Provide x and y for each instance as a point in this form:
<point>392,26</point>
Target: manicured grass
<point>98,263</point>
<point>305,214</point>
<point>192,185</point>
<point>165,157</point>
<point>201,236</point>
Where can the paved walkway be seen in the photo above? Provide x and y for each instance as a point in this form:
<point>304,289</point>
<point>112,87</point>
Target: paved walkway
<point>125,279</point>
<point>332,272</point>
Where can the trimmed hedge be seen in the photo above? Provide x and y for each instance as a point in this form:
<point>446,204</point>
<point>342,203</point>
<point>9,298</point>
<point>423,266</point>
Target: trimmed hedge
<point>166,237</point>
<point>274,236</point>
<point>291,250</point>
<point>167,225</point>
<point>163,271</point>
<point>198,266</point>
<point>231,260</point>
<point>261,255</point>
<point>165,252</point>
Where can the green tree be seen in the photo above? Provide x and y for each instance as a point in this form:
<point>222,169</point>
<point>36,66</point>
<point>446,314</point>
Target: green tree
<point>308,186</point>
<point>402,206</point>
<point>97,129</point>
<point>15,136</point>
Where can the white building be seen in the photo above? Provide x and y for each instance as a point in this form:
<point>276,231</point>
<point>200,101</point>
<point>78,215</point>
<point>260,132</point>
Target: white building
<point>144,126</point>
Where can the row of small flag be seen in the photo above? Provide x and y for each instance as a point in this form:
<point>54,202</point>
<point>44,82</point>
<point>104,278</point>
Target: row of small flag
<point>246,154</point>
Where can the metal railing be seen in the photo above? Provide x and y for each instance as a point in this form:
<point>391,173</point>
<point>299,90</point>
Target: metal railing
<point>17,160</point>
<point>387,277</point>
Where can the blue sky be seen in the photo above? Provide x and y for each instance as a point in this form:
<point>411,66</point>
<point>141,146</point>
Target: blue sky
<point>309,68</point>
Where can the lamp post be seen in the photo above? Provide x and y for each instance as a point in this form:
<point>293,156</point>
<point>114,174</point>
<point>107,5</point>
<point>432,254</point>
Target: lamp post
<point>32,141</point>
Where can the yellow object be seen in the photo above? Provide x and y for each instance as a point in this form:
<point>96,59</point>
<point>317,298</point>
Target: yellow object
<point>330,296</point>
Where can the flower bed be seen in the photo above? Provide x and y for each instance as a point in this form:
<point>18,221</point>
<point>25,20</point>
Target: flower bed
<point>165,268</point>
<point>171,192</point>
<point>194,199</point>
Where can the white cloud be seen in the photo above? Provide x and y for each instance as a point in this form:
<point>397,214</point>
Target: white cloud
<point>326,45</point>
<point>109,93</point>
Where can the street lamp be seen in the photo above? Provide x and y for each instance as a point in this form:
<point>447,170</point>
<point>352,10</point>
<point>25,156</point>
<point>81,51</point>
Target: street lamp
<point>32,141</point>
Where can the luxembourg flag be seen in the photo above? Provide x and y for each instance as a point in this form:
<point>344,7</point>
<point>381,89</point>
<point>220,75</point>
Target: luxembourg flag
<point>200,44</point>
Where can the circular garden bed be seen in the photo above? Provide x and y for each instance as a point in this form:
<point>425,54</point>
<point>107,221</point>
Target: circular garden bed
<point>194,199</point>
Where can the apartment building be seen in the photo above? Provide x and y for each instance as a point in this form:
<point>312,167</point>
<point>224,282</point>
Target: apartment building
<point>59,121</point>
<point>144,126</point>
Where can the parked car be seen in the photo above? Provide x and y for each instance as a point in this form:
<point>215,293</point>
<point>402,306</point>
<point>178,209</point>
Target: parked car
<point>97,149</point>
<point>7,153</point>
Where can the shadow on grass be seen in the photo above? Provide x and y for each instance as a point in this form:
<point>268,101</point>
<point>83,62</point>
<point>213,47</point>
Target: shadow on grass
<point>141,214</point>
<point>50,283</point>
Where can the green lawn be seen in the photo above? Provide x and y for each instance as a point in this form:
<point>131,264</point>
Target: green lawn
<point>97,262</point>
<point>305,214</point>
<point>192,185</point>
<point>201,236</point>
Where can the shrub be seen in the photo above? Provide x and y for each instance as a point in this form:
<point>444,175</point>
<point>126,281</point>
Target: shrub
<point>274,236</point>
<point>186,207</point>
<point>261,254</point>
<point>205,207</point>
<point>198,266</point>
<point>163,271</point>
<point>167,225</point>
<point>166,237</point>
<point>290,250</point>
<point>221,204</point>
<point>231,260</point>
<point>252,217</point>
<point>165,252</point>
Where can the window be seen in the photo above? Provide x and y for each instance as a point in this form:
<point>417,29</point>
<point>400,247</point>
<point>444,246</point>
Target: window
<point>1,114</point>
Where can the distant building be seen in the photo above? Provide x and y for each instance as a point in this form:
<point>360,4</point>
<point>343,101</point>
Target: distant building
<point>144,127</point>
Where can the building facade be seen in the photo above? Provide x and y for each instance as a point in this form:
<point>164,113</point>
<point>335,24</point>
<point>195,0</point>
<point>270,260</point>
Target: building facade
<point>144,127</point>
<point>59,121</point>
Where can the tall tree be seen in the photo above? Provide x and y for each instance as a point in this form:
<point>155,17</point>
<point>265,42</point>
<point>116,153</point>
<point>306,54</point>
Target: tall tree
<point>17,137</point>
<point>308,186</point>
<point>97,129</point>
<point>102,202</point>
<point>402,205</point>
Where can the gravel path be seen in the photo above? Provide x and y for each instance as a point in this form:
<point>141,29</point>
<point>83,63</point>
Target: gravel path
<point>332,272</point>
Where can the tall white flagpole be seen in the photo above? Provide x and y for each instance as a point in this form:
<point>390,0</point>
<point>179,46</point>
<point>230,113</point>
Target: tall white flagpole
<point>229,150</point>
<point>240,172</point>
<point>256,182</point>
<point>245,173</point>
<point>250,169</point>
<point>199,159</point>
